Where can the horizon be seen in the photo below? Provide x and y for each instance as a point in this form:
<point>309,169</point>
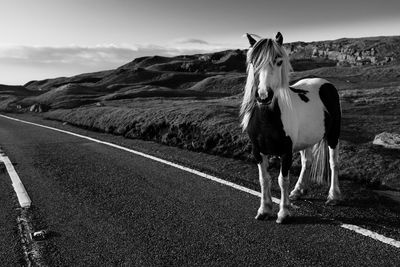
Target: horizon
<point>50,38</point>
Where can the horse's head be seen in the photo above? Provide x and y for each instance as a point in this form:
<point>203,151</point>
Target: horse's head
<point>268,70</point>
<point>269,63</point>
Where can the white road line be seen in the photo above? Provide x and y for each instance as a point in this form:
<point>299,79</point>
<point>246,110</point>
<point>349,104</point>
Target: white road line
<point>23,197</point>
<point>204,175</point>
<point>354,228</point>
<point>371,234</point>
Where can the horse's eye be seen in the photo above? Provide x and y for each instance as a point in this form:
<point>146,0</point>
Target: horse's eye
<point>279,63</point>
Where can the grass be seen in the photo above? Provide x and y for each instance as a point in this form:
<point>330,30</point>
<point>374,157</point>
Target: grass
<point>212,126</point>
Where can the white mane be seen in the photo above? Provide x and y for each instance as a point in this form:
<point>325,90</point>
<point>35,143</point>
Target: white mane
<point>248,102</point>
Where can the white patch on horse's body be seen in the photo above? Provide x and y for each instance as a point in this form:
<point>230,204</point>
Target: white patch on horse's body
<point>303,121</point>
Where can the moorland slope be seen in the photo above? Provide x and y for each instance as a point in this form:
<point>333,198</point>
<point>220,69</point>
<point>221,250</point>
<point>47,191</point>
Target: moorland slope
<point>192,101</point>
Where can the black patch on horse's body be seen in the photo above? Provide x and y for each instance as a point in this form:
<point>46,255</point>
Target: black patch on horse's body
<point>266,132</point>
<point>298,91</point>
<point>304,98</point>
<point>332,117</point>
<point>301,93</point>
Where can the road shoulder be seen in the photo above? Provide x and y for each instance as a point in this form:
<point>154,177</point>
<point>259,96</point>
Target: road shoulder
<point>10,249</point>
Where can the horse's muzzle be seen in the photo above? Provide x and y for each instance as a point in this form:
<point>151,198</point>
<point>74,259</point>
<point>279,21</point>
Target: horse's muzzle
<point>267,100</point>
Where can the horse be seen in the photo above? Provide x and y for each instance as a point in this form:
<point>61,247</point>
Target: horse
<point>281,120</point>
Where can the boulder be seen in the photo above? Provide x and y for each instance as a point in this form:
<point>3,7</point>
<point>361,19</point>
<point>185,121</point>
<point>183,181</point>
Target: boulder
<point>33,108</point>
<point>39,108</point>
<point>388,140</point>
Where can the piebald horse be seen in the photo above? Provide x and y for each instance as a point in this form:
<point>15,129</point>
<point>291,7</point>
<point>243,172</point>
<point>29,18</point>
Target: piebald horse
<point>281,120</point>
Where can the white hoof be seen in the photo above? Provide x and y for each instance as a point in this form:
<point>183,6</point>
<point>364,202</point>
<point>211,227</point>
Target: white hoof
<point>334,198</point>
<point>283,216</point>
<point>263,214</point>
<point>297,193</point>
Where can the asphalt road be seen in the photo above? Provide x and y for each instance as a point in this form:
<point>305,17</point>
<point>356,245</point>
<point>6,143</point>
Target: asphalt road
<point>104,206</point>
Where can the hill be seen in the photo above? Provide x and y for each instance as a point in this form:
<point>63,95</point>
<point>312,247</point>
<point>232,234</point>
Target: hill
<point>192,101</point>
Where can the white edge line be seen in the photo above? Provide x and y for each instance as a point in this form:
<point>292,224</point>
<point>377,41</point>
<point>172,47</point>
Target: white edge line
<point>23,197</point>
<point>371,234</point>
<point>351,227</point>
<point>204,175</point>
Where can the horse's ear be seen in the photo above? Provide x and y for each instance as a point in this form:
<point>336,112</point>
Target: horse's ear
<point>252,41</point>
<point>279,38</point>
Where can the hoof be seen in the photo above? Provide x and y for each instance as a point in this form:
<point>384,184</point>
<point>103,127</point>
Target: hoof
<point>283,216</point>
<point>334,198</point>
<point>261,216</point>
<point>264,211</point>
<point>297,193</point>
<point>283,220</point>
<point>332,202</point>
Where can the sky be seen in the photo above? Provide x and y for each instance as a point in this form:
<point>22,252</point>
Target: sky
<point>51,38</point>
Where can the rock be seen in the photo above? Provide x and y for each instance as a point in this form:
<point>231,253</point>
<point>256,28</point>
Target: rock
<point>33,108</point>
<point>388,140</point>
<point>39,108</point>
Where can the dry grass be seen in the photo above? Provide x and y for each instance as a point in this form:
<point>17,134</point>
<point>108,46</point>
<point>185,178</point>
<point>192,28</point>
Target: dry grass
<point>212,126</point>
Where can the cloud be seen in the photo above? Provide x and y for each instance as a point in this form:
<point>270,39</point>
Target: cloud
<point>72,54</point>
<point>192,41</point>
<point>21,63</point>
<point>103,54</point>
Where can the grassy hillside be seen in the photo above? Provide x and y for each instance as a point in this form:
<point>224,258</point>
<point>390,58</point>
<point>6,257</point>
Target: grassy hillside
<point>212,126</point>
<point>192,101</point>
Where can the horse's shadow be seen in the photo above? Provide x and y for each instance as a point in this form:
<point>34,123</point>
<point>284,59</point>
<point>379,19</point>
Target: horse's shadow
<point>52,234</point>
<point>298,220</point>
<point>304,219</point>
<point>346,212</point>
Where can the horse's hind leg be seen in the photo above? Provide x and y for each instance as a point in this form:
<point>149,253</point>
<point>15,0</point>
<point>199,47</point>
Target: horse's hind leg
<point>330,97</point>
<point>334,191</point>
<point>300,188</point>
<point>265,209</point>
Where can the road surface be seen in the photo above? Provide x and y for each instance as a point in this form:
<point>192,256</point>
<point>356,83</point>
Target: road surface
<point>105,206</point>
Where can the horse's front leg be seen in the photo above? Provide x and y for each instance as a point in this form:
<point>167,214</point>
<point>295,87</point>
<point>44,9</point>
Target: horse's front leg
<point>283,180</point>
<point>265,209</point>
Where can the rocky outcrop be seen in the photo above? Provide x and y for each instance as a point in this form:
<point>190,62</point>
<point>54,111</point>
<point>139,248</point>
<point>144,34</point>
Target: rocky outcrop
<point>349,52</point>
<point>388,140</point>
